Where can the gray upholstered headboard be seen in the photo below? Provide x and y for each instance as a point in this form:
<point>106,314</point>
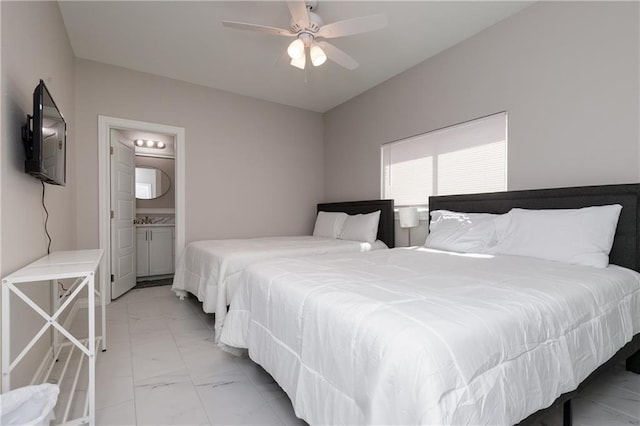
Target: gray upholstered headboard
<point>625,251</point>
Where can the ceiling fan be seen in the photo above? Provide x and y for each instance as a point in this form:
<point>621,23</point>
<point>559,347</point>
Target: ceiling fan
<point>309,31</point>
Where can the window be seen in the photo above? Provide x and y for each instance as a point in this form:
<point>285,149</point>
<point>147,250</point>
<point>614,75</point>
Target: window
<point>462,159</point>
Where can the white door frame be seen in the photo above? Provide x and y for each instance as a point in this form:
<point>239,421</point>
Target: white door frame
<point>105,124</point>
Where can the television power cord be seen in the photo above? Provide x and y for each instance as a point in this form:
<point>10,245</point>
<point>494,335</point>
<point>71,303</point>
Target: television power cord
<point>46,231</point>
<point>46,219</point>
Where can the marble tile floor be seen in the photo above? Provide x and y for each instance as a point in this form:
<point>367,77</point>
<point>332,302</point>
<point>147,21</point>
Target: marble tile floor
<point>162,368</point>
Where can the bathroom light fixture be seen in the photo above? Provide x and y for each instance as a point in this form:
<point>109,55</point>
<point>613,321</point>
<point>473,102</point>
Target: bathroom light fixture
<point>149,144</point>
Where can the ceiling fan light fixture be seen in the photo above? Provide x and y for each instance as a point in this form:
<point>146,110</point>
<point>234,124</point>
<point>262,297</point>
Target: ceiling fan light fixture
<point>296,49</point>
<point>318,57</point>
<point>300,62</point>
<point>306,27</point>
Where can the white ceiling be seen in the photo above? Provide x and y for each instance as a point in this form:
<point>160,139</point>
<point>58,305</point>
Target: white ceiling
<point>186,41</point>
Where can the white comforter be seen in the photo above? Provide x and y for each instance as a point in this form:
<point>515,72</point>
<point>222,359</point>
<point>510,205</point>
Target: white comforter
<point>412,336</point>
<point>209,269</point>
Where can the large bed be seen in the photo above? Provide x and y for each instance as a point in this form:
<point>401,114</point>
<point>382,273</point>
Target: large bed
<point>421,336</point>
<point>210,269</point>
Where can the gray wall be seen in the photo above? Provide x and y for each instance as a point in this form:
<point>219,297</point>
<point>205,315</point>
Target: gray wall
<point>567,73</point>
<point>34,46</point>
<point>253,168</point>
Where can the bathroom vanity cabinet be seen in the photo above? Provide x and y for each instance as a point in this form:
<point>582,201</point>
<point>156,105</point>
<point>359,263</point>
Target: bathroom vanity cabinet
<point>155,250</point>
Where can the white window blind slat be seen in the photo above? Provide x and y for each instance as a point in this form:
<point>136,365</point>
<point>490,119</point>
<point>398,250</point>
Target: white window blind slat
<point>461,159</point>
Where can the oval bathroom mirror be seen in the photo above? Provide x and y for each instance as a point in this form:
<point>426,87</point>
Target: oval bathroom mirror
<point>151,183</point>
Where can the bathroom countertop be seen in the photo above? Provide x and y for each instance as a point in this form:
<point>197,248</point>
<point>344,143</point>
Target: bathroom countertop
<point>154,225</point>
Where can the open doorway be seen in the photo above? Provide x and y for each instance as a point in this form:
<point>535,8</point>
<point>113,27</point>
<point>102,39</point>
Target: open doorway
<point>143,202</point>
<point>141,238</point>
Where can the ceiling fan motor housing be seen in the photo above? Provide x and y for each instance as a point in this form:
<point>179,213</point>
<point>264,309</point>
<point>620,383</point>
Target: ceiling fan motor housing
<point>315,22</point>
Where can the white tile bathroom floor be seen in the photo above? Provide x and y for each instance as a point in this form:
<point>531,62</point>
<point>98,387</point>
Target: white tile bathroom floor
<point>161,367</point>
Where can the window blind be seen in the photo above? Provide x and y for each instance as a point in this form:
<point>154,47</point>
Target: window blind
<point>462,159</point>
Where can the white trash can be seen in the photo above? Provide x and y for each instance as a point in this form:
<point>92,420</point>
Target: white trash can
<point>29,405</point>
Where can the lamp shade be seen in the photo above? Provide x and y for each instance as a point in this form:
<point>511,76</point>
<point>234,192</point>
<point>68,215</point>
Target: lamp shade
<point>296,49</point>
<point>300,62</point>
<point>318,57</point>
<point>408,217</point>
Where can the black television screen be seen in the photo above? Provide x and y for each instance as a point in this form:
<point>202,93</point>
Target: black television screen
<point>45,143</point>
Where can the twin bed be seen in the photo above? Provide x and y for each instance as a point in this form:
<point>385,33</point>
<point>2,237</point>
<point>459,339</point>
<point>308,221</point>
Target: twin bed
<point>422,336</point>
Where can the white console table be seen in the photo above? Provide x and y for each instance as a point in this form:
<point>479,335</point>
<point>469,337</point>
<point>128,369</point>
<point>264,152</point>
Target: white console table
<point>80,265</point>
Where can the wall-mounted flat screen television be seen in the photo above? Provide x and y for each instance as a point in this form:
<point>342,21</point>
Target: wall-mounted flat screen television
<point>45,139</point>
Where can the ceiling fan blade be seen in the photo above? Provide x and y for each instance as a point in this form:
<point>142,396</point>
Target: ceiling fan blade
<point>338,56</point>
<point>353,26</point>
<point>299,12</point>
<point>257,28</point>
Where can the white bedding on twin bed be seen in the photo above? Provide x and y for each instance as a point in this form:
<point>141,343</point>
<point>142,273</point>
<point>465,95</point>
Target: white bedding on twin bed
<point>210,269</point>
<point>416,336</point>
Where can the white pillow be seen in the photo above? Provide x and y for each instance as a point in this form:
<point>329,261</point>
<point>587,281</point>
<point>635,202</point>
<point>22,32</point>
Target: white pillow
<point>461,232</point>
<point>361,227</point>
<point>329,224</point>
<point>581,236</point>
